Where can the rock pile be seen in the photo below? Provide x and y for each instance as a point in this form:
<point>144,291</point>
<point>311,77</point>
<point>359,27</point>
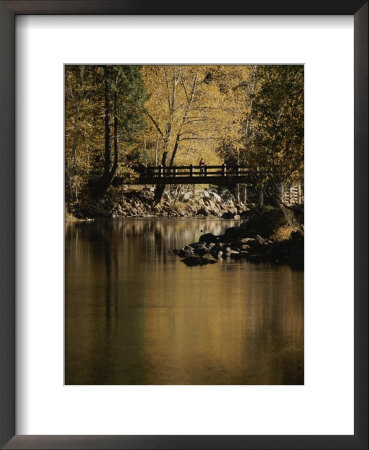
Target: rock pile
<point>197,202</point>
<point>243,243</point>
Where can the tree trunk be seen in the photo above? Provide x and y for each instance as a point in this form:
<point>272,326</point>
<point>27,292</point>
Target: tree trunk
<point>160,188</point>
<point>238,197</point>
<point>245,194</point>
<point>175,148</point>
<point>157,149</point>
<point>261,197</point>
<point>75,140</point>
<point>108,178</point>
<point>109,170</point>
<point>115,137</point>
<point>107,154</point>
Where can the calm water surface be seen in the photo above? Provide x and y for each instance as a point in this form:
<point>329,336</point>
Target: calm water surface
<point>135,314</point>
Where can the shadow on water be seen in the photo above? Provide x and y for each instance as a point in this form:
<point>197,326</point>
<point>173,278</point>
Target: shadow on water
<point>136,315</point>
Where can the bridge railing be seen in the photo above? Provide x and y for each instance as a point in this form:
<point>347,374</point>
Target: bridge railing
<point>193,171</point>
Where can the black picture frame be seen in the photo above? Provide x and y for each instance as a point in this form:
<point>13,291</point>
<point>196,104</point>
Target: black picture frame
<point>8,12</point>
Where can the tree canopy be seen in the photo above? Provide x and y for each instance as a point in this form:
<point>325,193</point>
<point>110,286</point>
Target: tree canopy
<point>121,116</point>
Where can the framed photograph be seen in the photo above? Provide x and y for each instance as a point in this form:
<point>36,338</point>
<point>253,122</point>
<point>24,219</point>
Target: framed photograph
<point>161,168</point>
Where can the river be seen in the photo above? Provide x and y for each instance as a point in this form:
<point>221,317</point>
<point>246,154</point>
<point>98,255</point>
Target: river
<point>135,314</point>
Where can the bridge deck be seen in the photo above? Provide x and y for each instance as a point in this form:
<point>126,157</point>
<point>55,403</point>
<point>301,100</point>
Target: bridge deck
<point>193,180</point>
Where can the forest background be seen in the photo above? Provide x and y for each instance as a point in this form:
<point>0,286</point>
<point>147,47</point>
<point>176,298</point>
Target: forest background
<point>118,117</point>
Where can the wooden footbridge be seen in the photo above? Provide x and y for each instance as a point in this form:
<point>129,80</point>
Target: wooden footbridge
<point>191,174</point>
<point>218,175</point>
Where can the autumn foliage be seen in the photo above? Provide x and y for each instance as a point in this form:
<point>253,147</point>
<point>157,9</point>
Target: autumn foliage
<point>120,117</point>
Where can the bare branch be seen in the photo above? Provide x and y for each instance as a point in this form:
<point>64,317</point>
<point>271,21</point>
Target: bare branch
<point>185,89</point>
<point>154,122</point>
<point>202,139</point>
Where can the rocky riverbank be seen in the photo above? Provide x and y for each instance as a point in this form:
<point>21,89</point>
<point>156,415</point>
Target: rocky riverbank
<point>175,203</point>
<point>245,242</point>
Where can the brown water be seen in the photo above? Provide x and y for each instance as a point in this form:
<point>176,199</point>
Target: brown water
<point>135,314</point>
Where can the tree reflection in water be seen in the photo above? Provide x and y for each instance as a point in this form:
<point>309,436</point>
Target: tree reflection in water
<point>136,315</point>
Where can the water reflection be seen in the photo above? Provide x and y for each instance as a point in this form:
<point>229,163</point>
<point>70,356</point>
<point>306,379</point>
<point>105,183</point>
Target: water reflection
<point>136,315</point>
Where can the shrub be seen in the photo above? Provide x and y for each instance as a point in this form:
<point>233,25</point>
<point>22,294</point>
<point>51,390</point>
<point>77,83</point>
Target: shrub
<point>267,220</point>
<point>283,233</point>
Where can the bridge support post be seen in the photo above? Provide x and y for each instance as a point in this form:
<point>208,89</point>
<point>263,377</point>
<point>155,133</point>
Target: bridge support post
<point>281,191</point>
<point>291,196</point>
<point>244,192</point>
<point>238,199</point>
<point>261,196</point>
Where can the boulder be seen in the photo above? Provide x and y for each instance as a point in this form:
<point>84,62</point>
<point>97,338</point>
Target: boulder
<point>235,233</point>
<point>259,239</point>
<point>227,215</point>
<point>203,211</point>
<point>201,251</point>
<point>197,261</point>
<point>297,235</point>
<point>209,203</point>
<point>89,211</point>
<point>226,195</point>
<point>240,242</point>
<point>185,197</point>
<point>195,245</point>
<point>183,252</point>
<point>216,197</point>
<point>208,238</point>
